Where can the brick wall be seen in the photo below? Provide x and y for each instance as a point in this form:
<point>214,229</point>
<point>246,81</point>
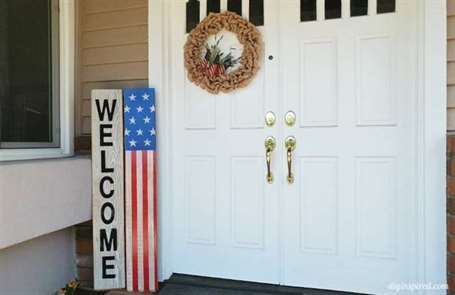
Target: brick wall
<point>84,254</point>
<point>451,212</point>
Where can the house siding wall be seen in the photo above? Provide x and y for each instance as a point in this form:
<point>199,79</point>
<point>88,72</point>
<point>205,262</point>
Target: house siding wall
<point>112,53</point>
<point>451,65</point>
<point>451,213</point>
<point>451,146</point>
<point>112,50</point>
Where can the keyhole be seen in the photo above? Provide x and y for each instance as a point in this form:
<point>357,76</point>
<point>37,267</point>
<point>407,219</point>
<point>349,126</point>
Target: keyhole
<point>270,57</point>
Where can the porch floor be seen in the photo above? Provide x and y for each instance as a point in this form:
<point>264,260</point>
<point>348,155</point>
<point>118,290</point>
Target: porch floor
<point>192,285</point>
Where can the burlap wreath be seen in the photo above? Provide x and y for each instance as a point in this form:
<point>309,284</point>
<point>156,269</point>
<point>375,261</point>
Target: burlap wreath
<point>250,60</point>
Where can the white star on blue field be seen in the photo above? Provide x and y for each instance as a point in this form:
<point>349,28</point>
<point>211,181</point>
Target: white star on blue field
<point>139,119</point>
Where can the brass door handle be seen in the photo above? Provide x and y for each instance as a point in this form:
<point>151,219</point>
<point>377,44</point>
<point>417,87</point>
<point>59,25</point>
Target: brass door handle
<point>290,144</point>
<point>270,144</point>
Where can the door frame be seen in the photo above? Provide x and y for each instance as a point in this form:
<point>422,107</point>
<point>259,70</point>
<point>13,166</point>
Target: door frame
<point>431,111</point>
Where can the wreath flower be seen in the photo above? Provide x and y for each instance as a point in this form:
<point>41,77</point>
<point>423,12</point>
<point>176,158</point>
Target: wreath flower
<point>217,69</point>
<point>216,62</point>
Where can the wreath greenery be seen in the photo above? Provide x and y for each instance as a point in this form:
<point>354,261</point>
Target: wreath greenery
<point>217,71</point>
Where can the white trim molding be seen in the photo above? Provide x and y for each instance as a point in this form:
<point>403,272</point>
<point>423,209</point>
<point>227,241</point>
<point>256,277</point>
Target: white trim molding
<point>431,147</point>
<point>158,73</point>
<point>66,62</point>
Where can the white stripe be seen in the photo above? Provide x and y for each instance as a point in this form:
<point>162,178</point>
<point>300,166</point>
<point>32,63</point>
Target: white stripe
<point>128,224</point>
<point>140,236</point>
<point>151,228</point>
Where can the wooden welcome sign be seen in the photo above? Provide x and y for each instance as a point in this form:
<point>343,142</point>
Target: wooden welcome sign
<point>124,165</point>
<point>108,189</point>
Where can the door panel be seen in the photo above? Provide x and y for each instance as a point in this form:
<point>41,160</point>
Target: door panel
<point>248,202</point>
<point>350,212</point>
<point>318,83</point>
<point>225,213</point>
<point>319,219</point>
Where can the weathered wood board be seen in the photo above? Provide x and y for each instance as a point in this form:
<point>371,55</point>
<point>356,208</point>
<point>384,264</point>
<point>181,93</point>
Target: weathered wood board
<point>108,189</point>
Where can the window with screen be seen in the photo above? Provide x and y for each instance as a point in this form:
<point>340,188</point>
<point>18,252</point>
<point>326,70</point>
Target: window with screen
<point>29,102</point>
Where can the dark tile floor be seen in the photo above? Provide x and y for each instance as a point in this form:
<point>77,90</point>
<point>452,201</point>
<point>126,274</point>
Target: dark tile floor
<point>193,285</point>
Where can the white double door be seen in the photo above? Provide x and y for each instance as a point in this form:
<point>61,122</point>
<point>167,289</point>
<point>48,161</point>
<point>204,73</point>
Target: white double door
<point>348,220</point>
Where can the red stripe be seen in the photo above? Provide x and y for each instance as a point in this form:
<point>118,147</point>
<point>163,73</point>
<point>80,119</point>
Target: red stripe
<point>134,217</point>
<point>155,219</point>
<point>145,218</point>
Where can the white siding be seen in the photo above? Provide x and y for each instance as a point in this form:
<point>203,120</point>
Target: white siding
<point>39,197</point>
<point>39,266</point>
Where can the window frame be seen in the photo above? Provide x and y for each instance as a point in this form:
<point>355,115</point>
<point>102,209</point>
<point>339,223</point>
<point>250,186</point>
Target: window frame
<point>64,89</point>
<point>55,97</point>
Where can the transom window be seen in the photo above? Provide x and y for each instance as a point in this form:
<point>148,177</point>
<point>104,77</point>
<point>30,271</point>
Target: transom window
<point>333,8</point>
<point>308,9</point>
<point>256,11</point>
<point>29,71</point>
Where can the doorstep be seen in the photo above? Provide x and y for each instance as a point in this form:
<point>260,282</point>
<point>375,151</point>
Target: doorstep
<point>193,285</point>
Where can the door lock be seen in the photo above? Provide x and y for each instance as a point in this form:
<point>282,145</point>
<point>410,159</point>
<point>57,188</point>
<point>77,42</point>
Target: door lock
<point>270,119</point>
<point>290,118</point>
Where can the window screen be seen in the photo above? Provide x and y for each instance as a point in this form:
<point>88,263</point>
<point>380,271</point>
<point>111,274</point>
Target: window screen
<point>28,74</point>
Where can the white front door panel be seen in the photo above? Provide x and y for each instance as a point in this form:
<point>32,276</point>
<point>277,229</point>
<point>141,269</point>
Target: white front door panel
<point>225,213</point>
<point>349,216</point>
<point>348,220</point>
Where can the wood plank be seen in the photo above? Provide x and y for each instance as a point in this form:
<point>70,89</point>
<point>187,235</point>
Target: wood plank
<point>450,27</point>
<point>451,65</point>
<point>86,125</point>
<point>95,6</point>
<point>451,50</point>
<point>450,7</point>
<point>114,37</point>
<point>451,119</point>
<point>88,86</point>
<point>86,109</point>
<point>108,190</point>
<point>451,97</point>
<point>113,72</point>
<point>115,54</point>
<point>451,73</point>
<point>116,19</point>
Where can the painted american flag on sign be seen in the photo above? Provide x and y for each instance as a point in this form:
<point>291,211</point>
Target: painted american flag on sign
<point>140,189</point>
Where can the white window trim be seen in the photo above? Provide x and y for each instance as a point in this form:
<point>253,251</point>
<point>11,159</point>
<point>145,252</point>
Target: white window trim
<point>66,62</point>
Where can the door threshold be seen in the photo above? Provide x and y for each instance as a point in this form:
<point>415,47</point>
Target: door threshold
<point>197,285</point>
